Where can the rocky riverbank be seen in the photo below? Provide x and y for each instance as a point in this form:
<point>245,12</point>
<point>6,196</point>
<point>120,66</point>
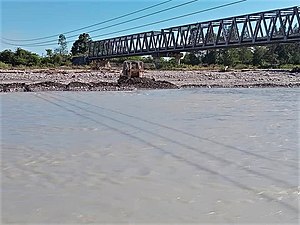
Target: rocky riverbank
<point>108,80</point>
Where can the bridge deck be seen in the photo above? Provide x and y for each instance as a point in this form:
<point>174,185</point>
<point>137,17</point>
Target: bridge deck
<point>275,26</point>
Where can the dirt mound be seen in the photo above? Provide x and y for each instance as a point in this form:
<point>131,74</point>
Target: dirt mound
<point>145,83</point>
<point>123,84</point>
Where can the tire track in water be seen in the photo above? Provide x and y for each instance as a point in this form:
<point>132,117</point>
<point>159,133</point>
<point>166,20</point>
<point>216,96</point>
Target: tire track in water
<point>181,159</point>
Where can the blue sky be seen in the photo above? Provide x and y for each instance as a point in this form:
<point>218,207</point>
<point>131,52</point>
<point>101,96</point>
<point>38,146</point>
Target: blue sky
<point>40,18</point>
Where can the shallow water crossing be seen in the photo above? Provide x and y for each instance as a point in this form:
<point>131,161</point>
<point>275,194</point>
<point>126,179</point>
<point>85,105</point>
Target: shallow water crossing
<point>167,156</point>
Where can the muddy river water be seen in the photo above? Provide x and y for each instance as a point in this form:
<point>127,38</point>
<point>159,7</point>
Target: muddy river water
<point>167,156</point>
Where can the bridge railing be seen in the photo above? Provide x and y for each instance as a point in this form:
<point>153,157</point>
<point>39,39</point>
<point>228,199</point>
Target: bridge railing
<point>275,26</point>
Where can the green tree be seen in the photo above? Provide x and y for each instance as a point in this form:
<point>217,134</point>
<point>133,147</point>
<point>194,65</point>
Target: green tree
<point>57,59</point>
<point>295,55</point>
<point>26,58</point>
<point>49,53</point>
<point>228,57</point>
<point>258,56</point>
<point>47,60</point>
<point>81,46</point>
<point>191,59</point>
<point>20,57</point>
<point>210,57</point>
<point>245,55</point>
<point>63,46</point>
<point>7,56</point>
<point>284,54</point>
<point>271,56</point>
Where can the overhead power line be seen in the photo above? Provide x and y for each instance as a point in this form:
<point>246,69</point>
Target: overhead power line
<point>119,23</point>
<point>150,24</point>
<point>172,18</point>
<point>93,25</point>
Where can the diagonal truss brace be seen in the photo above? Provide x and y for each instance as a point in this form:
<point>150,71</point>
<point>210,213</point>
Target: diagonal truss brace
<point>275,26</point>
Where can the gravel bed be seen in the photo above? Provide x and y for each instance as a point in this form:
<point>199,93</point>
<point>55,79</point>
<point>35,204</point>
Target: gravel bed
<point>108,80</point>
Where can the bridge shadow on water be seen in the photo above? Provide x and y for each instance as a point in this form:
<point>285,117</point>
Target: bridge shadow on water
<point>163,150</point>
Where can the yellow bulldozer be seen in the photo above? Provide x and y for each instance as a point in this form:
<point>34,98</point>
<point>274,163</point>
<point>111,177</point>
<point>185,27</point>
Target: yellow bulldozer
<point>132,69</point>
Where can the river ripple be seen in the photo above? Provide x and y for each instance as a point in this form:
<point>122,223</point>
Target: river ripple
<point>166,156</point>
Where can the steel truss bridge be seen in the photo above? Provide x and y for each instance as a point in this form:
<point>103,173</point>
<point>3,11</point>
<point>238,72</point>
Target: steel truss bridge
<point>262,28</point>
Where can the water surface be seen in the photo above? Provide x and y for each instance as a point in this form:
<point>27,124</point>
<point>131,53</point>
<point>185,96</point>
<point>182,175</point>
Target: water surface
<point>166,156</point>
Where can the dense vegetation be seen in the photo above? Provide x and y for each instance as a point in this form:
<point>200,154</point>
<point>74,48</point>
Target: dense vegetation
<point>53,58</point>
<point>271,56</point>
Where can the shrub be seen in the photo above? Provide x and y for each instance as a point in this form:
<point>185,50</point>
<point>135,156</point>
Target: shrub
<point>296,69</point>
<point>4,65</point>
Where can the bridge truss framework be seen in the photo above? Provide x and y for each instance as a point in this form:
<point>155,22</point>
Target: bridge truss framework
<point>275,26</point>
